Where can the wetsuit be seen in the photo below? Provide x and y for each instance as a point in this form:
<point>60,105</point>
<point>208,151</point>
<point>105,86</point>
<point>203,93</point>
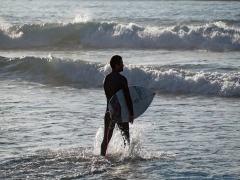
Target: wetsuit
<point>113,82</point>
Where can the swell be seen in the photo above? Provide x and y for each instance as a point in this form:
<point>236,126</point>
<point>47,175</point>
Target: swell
<point>216,36</point>
<point>58,72</point>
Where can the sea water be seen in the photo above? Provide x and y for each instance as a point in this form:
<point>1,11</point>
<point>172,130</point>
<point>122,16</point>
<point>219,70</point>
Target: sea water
<point>54,56</point>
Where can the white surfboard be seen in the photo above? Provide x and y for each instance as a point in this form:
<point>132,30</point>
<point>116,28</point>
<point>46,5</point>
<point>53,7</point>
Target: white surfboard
<point>141,99</point>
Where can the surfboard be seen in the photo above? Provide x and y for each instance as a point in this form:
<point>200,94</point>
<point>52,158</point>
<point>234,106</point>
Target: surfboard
<point>141,99</point>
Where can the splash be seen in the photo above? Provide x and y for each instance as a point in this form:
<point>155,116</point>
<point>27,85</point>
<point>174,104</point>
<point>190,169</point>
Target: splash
<point>116,148</point>
<point>84,16</point>
<point>117,152</point>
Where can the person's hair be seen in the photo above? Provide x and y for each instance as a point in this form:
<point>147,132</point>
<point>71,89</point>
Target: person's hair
<point>116,59</point>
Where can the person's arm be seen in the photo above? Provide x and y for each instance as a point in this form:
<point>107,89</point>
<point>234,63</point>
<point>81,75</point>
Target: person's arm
<point>128,101</point>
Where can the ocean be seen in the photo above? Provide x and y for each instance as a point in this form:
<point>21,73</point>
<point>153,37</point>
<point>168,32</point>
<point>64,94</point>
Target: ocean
<point>54,56</point>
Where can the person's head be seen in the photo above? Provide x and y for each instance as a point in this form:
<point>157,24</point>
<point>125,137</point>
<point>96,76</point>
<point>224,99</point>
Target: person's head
<point>116,63</point>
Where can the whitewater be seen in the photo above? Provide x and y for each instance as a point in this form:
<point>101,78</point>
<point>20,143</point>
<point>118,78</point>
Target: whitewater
<point>165,79</point>
<point>53,60</point>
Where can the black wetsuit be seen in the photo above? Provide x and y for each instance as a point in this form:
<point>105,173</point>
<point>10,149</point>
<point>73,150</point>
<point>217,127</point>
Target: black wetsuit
<point>113,82</point>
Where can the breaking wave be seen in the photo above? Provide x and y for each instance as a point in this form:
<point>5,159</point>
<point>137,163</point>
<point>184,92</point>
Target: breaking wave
<point>91,74</point>
<point>216,36</point>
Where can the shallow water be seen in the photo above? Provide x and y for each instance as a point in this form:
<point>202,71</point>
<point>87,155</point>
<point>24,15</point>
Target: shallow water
<point>178,137</point>
<point>53,59</point>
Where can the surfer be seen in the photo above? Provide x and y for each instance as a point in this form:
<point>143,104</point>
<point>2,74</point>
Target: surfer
<point>113,82</point>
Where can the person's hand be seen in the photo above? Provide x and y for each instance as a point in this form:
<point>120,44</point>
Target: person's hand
<point>131,118</point>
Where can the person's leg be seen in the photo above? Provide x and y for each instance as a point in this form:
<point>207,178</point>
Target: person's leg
<point>107,133</point>
<point>124,128</point>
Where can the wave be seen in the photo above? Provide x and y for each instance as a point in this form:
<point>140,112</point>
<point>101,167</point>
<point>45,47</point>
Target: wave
<point>84,74</point>
<point>215,36</point>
